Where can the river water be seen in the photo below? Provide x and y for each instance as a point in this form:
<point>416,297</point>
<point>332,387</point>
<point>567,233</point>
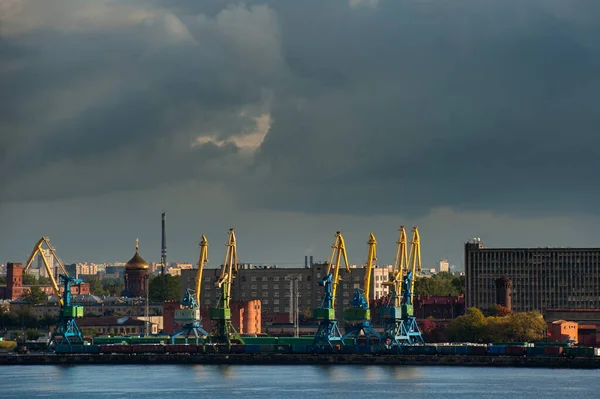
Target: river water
<point>291,382</point>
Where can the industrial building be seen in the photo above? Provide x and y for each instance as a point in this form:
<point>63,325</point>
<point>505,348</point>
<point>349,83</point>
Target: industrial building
<point>540,278</point>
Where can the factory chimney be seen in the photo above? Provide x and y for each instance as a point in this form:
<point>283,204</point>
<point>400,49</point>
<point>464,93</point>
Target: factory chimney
<point>163,254</point>
<point>306,261</point>
<point>311,261</point>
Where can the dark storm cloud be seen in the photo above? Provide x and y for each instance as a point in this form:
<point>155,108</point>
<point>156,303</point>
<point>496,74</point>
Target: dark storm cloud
<point>126,105</point>
<point>398,107</point>
<point>469,104</point>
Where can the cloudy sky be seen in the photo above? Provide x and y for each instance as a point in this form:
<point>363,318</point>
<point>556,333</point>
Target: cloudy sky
<point>289,120</point>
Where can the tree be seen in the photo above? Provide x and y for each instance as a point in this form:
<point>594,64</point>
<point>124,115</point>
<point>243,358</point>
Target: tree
<point>96,287</point>
<point>440,284</point>
<point>3,280</point>
<point>525,327</point>
<point>29,279</point>
<point>113,286</point>
<point>164,288</point>
<point>471,327</point>
<point>35,296</point>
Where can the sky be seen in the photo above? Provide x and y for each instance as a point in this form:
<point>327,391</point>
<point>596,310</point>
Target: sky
<point>290,120</point>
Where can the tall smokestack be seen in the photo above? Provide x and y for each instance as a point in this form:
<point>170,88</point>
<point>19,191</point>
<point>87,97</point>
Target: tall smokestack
<point>163,254</point>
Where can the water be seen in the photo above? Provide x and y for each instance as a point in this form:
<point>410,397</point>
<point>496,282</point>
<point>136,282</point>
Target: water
<point>291,382</point>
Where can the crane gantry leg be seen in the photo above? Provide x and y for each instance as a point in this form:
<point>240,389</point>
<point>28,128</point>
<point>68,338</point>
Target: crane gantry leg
<point>359,316</point>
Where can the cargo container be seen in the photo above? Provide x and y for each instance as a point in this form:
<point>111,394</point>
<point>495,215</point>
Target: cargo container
<point>301,348</point>
<point>252,348</point>
<point>580,352</point>
<point>147,348</point>
<point>476,350</point>
<point>461,350</point>
<point>181,348</point>
<point>115,348</point>
<point>236,348</point>
<point>497,350</point>
<point>516,350</point>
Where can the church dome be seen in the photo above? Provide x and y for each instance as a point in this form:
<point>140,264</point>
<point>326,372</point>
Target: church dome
<point>137,262</point>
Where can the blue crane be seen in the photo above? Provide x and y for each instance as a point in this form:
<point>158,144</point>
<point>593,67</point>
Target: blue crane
<point>328,333</point>
<point>67,327</point>
<point>359,316</point>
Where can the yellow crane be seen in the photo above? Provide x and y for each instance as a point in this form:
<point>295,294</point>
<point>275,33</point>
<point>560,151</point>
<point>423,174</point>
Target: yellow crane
<point>39,249</point>
<point>399,270</point>
<point>223,330</point>
<point>189,315</point>
<point>359,316</point>
<point>328,333</point>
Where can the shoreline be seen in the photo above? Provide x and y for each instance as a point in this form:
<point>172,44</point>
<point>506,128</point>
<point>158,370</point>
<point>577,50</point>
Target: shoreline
<point>301,359</point>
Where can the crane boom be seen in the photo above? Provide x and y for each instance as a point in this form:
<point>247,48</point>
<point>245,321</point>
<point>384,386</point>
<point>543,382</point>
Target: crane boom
<point>415,260</point>
<point>337,253</point>
<point>39,249</point>
<point>370,259</point>
<point>201,263</point>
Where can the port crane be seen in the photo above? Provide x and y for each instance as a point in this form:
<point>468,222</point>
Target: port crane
<point>328,332</point>
<point>408,293</point>
<point>223,330</point>
<point>39,249</point>
<point>399,324</point>
<point>359,315</point>
<point>67,327</point>
<point>189,315</point>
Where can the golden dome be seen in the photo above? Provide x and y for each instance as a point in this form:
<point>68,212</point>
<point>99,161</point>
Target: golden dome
<point>137,262</point>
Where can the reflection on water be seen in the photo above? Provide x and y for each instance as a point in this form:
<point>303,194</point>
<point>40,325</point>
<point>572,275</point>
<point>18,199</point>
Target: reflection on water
<point>292,382</point>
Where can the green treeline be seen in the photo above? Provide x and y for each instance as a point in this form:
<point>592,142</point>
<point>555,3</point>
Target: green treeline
<point>474,326</point>
<point>440,284</point>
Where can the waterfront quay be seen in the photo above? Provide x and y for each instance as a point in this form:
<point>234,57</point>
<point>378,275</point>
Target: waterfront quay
<point>302,359</point>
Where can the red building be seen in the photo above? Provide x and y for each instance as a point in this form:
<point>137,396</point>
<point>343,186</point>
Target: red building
<point>15,289</point>
<point>245,317</point>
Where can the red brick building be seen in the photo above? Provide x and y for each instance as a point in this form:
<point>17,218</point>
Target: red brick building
<point>15,289</point>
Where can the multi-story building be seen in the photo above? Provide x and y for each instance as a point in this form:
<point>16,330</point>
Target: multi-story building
<point>272,286</point>
<point>542,278</point>
<point>443,265</point>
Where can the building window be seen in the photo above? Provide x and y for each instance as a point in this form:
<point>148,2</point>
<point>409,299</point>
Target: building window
<point>264,286</point>
<point>276,302</point>
<point>265,301</point>
<point>253,279</point>
<point>265,279</point>
<point>275,286</point>
<point>276,278</point>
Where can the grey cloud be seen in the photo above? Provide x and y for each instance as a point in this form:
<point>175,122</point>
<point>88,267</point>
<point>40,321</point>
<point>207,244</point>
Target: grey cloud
<point>151,89</point>
<point>403,106</point>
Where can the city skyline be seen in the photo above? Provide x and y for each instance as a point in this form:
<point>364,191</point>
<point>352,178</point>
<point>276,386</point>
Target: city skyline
<point>291,120</point>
